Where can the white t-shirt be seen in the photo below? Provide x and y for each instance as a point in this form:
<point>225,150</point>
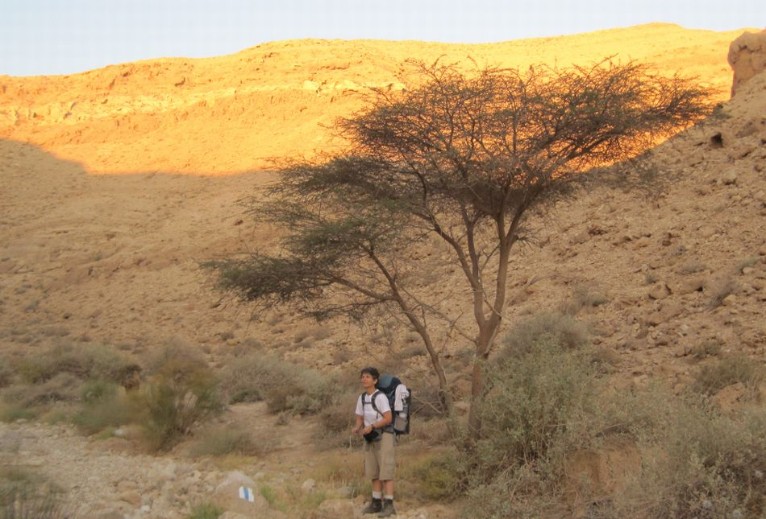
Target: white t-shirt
<point>364,407</point>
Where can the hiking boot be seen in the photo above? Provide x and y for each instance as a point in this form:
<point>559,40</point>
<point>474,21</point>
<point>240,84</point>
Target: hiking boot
<point>374,506</point>
<point>388,508</point>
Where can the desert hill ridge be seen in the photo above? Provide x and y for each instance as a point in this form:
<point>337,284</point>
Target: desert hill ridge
<point>235,113</point>
<point>665,261</point>
<point>114,258</point>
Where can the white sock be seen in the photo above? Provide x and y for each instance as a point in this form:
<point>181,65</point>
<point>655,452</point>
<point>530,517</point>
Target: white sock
<point>377,495</point>
<point>390,498</point>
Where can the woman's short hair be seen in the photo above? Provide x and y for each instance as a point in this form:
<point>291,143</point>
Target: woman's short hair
<point>373,372</point>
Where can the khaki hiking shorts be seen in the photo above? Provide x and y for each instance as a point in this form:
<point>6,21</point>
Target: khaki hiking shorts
<point>379,458</point>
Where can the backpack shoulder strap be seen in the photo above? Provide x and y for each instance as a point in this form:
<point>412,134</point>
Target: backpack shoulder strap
<point>372,401</point>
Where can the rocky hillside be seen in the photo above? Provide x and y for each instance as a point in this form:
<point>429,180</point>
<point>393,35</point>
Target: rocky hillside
<point>234,113</point>
<point>662,260</point>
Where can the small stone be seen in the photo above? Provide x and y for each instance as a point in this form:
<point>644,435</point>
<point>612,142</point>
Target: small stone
<point>658,291</point>
<point>132,498</point>
<point>729,178</point>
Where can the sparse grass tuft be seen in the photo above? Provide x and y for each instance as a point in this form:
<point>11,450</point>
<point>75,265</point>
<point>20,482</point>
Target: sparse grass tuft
<point>720,290</point>
<point>25,495</point>
<point>206,511</point>
<point>584,296</point>
<point>747,262</point>
<point>729,370</point>
<point>707,348</point>
<point>226,439</point>
<point>105,407</point>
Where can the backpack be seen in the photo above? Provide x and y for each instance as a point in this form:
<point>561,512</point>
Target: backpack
<point>399,397</point>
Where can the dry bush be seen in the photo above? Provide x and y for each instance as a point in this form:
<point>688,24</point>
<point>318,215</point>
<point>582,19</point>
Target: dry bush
<point>222,440</point>
<point>691,267</point>
<point>539,405</point>
<point>283,385</point>
<point>558,328</point>
<point>729,370</point>
<point>747,262</point>
<point>720,290</point>
<point>438,476</point>
<point>696,461</point>
<point>584,296</point>
<point>26,495</point>
<point>707,348</point>
<point>58,376</point>
<point>62,387</point>
<point>84,361</point>
<point>181,391</point>
<point>105,406</point>
<point>711,466</point>
<point>6,372</point>
<point>337,420</point>
<point>547,399</point>
<point>426,403</point>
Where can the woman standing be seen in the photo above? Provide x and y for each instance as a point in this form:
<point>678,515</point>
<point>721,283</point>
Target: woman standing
<point>373,421</point>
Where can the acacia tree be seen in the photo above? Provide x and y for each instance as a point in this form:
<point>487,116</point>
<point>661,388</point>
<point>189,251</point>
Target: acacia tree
<point>458,160</point>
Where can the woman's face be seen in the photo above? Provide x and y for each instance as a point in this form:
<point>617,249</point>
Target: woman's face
<point>367,381</point>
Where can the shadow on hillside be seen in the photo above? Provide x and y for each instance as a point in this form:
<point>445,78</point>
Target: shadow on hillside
<point>113,255</point>
<point>35,162</point>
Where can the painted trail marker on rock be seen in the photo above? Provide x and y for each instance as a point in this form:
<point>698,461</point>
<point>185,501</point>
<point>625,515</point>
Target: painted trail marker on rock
<point>246,494</point>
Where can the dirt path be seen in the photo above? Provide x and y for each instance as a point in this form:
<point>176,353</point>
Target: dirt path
<point>111,479</point>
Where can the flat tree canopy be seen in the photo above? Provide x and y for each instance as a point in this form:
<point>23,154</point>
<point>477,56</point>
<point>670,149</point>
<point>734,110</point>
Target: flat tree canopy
<point>451,165</point>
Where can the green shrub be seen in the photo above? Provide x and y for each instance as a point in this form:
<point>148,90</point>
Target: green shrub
<point>14,412</point>
<point>270,496</point>
<point>517,493</point>
<point>712,466</point>
<point>544,402</point>
<point>206,511</point>
<point>547,401</point>
<point>439,478</point>
<point>181,391</point>
<point>539,400</point>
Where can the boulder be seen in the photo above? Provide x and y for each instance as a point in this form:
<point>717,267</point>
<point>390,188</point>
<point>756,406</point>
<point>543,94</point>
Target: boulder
<point>747,57</point>
<point>227,496</point>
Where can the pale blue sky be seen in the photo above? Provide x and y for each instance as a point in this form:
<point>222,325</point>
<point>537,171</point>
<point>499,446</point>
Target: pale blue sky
<point>67,36</point>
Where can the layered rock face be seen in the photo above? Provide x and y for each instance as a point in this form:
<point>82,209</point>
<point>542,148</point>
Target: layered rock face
<point>747,57</point>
